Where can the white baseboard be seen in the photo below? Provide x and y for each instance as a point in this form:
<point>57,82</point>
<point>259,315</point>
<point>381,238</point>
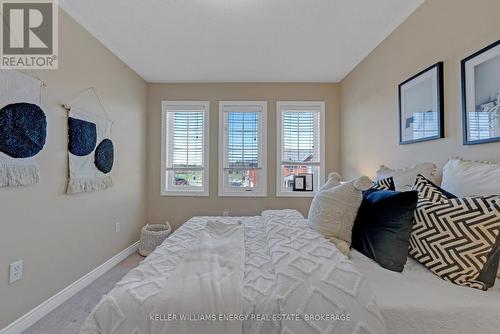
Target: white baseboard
<point>50,304</point>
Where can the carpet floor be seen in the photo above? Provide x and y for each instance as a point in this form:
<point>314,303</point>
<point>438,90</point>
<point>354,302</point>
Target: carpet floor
<point>69,317</point>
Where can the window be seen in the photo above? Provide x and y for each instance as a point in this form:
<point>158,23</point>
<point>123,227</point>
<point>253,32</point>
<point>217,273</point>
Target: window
<point>242,148</point>
<point>185,144</point>
<point>301,145</point>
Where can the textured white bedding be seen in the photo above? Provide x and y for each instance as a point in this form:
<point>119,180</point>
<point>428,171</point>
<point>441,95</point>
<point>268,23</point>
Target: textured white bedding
<point>288,269</point>
<point>208,280</point>
<point>417,301</point>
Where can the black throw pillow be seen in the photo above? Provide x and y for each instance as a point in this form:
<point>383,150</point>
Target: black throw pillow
<point>383,227</point>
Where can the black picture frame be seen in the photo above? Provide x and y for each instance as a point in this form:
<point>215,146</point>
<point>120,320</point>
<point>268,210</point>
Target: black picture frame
<point>299,186</point>
<point>464,91</point>
<point>309,182</point>
<point>439,102</point>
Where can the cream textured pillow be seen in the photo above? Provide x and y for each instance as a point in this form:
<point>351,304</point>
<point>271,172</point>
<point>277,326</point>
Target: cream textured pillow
<point>405,178</point>
<point>334,210</point>
<point>333,181</point>
<point>471,178</point>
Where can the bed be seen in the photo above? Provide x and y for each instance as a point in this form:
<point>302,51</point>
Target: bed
<point>417,301</point>
<point>269,274</point>
<point>285,268</point>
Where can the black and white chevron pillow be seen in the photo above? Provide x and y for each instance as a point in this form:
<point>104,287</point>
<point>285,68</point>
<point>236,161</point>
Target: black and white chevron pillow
<point>384,184</point>
<point>458,239</point>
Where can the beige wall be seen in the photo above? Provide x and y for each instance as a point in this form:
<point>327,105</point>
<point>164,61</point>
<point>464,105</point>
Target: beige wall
<point>62,237</point>
<point>179,209</point>
<point>440,30</point>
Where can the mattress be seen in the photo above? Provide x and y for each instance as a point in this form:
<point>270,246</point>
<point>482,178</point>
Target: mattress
<point>289,271</point>
<point>417,301</point>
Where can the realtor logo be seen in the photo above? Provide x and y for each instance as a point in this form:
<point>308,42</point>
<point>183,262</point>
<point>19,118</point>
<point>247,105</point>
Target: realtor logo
<point>29,34</point>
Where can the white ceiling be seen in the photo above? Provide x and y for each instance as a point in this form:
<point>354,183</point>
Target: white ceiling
<point>241,40</point>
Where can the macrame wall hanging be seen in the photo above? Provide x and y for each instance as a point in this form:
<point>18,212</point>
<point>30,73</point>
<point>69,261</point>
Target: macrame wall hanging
<point>23,128</point>
<point>90,149</point>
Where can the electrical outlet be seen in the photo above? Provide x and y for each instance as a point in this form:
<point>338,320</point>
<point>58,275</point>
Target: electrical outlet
<point>225,213</point>
<point>118,227</point>
<point>16,271</point>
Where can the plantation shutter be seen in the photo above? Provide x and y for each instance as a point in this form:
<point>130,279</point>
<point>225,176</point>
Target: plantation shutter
<point>300,137</point>
<point>185,138</point>
<point>242,137</point>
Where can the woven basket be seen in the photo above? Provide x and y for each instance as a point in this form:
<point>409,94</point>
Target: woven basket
<point>152,236</point>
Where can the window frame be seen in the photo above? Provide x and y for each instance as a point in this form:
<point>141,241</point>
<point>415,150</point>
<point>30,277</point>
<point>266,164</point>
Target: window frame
<point>260,191</point>
<point>281,107</point>
<point>203,106</point>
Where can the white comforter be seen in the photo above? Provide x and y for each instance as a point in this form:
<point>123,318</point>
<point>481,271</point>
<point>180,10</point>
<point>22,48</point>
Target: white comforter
<point>418,302</point>
<point>289,279</point>
<point>207,281</point>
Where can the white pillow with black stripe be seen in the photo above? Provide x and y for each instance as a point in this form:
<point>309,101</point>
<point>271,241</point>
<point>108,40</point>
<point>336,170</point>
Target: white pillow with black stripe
<point>404,178</point>
<point>458,239</point>
<point>384,184</point>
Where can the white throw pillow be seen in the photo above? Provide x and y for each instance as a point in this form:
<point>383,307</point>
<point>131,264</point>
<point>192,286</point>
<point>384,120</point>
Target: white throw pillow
<point>470,178</point>
<point>333,181</point>
<point>334,210</point>
<point>405,178</point>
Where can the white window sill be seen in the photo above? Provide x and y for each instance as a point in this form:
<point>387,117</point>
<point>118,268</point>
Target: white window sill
<point>298,194</point>
<point>242,194</point>
<point>184,193</point>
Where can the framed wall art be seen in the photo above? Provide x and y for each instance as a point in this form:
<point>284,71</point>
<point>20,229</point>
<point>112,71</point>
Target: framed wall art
<point>299,183</point>
<point>309,182</point>
<point>481,96</point>
<point>421,106</point>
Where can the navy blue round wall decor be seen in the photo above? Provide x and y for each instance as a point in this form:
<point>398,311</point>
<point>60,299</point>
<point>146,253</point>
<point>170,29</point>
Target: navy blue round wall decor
<point>82,136</point>
<point>104,155</point>
<point>23,130</point>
